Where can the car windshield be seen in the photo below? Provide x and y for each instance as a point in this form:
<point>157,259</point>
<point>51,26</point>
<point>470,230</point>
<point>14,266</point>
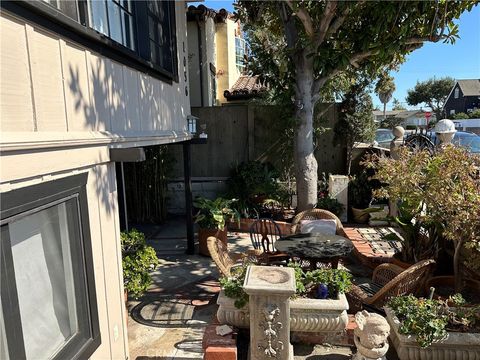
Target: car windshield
<point>383,135</point>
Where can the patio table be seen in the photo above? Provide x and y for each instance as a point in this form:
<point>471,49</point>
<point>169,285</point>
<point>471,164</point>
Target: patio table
<point>315,247</point>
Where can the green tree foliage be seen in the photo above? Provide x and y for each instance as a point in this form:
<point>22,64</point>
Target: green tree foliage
<point>432,92</point>
<point>384,90</point>
<point>397,105</point>
<point>355,122</point>
<point>302,47</point>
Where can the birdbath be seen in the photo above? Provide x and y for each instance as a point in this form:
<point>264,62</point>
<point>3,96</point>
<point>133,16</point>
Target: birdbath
<point>269,289</point>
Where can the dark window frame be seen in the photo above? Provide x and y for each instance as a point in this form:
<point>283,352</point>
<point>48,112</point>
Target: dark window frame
<point>50,18</point>
<point>32,198</point>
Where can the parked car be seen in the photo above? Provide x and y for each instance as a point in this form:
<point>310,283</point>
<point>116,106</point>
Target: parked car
<point>383,137</point>
<point>468,140</point>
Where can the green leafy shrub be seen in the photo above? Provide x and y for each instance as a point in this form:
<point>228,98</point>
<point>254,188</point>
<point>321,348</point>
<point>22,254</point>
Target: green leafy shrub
<point>429,320</point>
<point>460,115</point>
<point>138,260</point>
<point>441,193</point>
<point>233,286</point>
<point>254,184</point>
<point>330,204</point>
<point>360,191</point>
<point>213,214</point>
<point>336,280</point>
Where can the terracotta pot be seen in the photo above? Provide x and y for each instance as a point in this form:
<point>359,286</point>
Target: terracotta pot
<point>203,235</point>
<point>360,216</point>
<point>449,281</point>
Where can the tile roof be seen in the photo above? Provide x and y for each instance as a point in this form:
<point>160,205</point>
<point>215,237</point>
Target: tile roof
<point>247,86</point>
<point>203,12</point>
<point>470,87</point>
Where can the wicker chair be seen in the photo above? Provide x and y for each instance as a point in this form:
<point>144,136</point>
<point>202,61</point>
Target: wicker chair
<point>263,234</point>
<point>224,259</point>
<point>388,281</point>
<point>316,214</point>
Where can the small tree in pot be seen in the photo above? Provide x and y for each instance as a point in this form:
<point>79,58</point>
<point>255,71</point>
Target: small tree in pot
<point>211,218</point>
<point>445,191</point>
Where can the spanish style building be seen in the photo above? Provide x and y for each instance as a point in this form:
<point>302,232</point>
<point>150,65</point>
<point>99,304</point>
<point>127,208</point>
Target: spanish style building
<point>216,54</point>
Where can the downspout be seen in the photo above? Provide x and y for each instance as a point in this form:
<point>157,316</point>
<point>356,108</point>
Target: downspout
<point>200,56</point>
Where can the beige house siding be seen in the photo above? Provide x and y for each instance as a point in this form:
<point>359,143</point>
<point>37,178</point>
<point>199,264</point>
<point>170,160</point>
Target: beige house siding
<point>62,107</point>
<point>50,84</point>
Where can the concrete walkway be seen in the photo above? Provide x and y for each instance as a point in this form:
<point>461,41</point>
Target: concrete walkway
<point>169,321</point>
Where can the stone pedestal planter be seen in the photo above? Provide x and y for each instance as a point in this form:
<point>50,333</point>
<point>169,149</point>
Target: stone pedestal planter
<point>306,315</point>
<point>457,346</point>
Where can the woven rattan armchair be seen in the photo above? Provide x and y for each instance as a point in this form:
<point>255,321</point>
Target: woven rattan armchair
<point>388,281</point>
<point>316,214</point>
<point>224,259</point>
<point>220,255</point>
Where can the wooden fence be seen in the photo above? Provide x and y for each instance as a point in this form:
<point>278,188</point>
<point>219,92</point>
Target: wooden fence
<point>238,133</point>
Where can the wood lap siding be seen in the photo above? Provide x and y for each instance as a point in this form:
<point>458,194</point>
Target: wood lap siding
<point>16,110</point>
<point>51,84</point>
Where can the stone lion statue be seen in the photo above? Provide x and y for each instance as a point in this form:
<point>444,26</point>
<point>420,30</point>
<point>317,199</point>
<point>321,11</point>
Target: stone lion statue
<point>371,335</point>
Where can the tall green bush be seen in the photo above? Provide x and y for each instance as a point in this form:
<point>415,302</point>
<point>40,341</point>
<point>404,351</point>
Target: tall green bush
<point>138,260</point>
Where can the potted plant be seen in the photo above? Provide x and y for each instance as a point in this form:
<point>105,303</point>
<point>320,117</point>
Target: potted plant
<point>359,197</point>
<point>318,306</point>
<point>442,192</point>
<point>257,189</point>
<point>211,219</point>
<point>433,329</point>
<point>138,261</point>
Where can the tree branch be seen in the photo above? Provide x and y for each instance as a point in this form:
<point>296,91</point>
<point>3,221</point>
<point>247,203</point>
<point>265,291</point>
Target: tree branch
<point>421,40</point>
<point>304,17</point>
<point>325,21</point>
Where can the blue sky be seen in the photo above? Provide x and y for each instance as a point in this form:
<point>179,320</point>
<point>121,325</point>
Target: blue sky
<point>460,60</point>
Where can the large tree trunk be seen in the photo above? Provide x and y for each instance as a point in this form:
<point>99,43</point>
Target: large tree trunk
<point>305,162</point>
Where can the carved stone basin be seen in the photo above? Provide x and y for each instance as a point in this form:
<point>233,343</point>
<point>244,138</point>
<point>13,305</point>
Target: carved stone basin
<point>306,315</point>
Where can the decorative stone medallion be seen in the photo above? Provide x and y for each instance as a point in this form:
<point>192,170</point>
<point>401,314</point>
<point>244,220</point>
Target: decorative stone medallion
<point>274,276</point>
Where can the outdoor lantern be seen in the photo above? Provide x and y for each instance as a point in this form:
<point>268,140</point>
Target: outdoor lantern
<point>192,124</point>
<point>445,130</point>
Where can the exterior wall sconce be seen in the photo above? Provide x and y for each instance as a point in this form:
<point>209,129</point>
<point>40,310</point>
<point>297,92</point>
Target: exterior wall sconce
<point>192,124</point>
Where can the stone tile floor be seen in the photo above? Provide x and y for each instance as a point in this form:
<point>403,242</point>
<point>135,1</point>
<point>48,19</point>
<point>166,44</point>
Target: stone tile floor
<point>383,240</point>
<point>169,322</point>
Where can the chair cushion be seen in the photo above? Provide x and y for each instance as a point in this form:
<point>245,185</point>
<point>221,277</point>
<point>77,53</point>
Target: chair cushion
<point>323,226</point>
<point>370,288</point>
